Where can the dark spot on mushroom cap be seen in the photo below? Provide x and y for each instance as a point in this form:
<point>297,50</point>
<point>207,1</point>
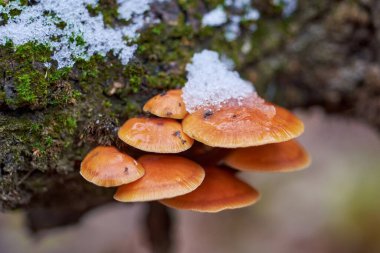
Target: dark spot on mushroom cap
<point>163,93</point>
<point>179,104</point>
<point>207,114</point>
<point>178,134</point>
<point>169,113</point>
<point>126,170</point>
<point>234,116</point>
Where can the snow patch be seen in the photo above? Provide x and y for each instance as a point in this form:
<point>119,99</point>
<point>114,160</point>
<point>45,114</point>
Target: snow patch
<point>247,13</point>
<point>40,23</point>
<point>215,17</point>
<point>238,3</point>
<point>210,82</point>
<point>289,6</point>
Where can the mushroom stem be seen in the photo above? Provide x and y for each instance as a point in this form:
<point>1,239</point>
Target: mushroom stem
<point>159,223</point>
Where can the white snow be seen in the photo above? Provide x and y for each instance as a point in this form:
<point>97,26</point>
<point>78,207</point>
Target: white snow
<point>211,82</point>
<point>252,14</point>
<point>215,17</point>
<point>247,12</point>
<point>134,8</point>
<point>232,31</point>
<point>238,3</point>
<point>38,23</point>
<point>289,6</point>
<point>128,8</point>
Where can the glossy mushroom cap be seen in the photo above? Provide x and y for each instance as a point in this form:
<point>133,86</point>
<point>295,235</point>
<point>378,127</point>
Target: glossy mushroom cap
<point>156,135</point>
<point>220,190</point>
<point>275,157</point>
<point>107,166</point>
<point>165,177</point>
<point>250,122</point>
<point>167,105</point>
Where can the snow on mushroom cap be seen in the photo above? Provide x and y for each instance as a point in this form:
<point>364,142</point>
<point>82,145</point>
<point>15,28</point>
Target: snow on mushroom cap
<point>211,82</point>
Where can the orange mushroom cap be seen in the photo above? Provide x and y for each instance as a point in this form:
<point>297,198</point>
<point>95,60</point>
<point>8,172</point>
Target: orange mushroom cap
<point>220,190</point>
<point>276,157</point>
<point>165,177</point>
<point>156,135</point>
<point>245,123</point>
<point>107,166</point>
<point>167,105</point>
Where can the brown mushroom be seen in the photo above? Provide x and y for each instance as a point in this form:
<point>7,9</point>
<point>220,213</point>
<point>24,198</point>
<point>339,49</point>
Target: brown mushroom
<point>276,157</point>
<point>165,177</point>
<point>107,166</point>
<point>168,104</point>
<point>245,123</point>
<point>220,190</point>
<point>156,135</point>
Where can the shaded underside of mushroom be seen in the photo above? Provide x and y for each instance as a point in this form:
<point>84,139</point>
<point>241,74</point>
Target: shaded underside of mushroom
<point>249,122</point>
<point>275,157</point>
<point>165,176</point>
<point>220,190</point>
<point>206,155</point>
<point>156,135</point>
<point>167,105</point>
<point>107,166</point>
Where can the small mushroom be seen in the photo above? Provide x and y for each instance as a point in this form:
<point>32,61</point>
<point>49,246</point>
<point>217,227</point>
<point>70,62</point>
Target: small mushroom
<point>245,123</point>
<point>167,105</point>
<point>165,177</point>
<point>220,190</point>
<point>156,135</point>
<point>275,157</point>
<point>107,166</point>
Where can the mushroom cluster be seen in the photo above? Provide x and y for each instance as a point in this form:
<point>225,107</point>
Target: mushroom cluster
<point>215,142</point>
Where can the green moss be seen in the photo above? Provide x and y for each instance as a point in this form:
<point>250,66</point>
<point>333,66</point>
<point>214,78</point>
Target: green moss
<point>32,52</point>
<point>70,124</point>
<point>77,39</point>
<point>213,3</point>
<point>31,89</point>
<point>168,50</point>
<point>108,8</point>
<point>14,12</point>
<point>59,74</point>
<point>24,89</point>
<point>134,75</point>
<point>107,103</point>
<point>2,97</point>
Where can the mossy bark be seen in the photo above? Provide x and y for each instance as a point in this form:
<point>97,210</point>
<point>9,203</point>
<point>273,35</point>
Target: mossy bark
<point>326,54</point>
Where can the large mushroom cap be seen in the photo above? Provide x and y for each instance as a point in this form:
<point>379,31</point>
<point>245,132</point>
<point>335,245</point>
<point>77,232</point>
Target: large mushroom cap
<point>155,135</point>
<point>167,105</point>
<point>277,157</point>
<point>245,123</point>
<point>107,166</point>
<point>165,177</point>
<point>220,190</point>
